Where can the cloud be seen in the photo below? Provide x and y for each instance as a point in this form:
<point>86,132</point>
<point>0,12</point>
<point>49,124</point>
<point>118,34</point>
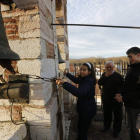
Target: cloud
<point>106,42</point>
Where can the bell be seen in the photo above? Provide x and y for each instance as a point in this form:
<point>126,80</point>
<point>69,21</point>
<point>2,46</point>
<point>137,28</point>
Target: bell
<point>60,60</point>
<point>5,51</point>
<point>6,2</point>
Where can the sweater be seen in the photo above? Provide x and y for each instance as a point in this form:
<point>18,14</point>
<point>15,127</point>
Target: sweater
<point>111,86</point>
<point>131,87</point>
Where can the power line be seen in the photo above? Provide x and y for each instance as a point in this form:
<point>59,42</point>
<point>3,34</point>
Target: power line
<point>93,25</point>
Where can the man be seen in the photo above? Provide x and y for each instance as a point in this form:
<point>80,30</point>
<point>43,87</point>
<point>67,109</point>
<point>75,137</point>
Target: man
<point>111,82</point>
<point>130,92</point>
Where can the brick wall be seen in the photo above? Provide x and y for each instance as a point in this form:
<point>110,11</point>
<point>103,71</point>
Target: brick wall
<point>11,26</point>
<point>32,37</point>
<point>50,50</point>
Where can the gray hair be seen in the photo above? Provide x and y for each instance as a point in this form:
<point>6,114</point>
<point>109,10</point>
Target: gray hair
<point>109,62</point>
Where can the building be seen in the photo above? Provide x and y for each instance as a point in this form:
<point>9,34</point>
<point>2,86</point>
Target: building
<point>31,35</point>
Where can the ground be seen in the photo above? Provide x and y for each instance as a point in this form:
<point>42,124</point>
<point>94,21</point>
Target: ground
<point>94,132</point>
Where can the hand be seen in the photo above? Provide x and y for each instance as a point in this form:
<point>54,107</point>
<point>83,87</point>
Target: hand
<point>66,71</point>
<point>60,81</point>
<point>118,97</point>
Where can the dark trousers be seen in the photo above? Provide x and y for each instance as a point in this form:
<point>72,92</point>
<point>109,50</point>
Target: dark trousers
<point>132,119</point>
<point>83,126</point>
<point>116,108</point>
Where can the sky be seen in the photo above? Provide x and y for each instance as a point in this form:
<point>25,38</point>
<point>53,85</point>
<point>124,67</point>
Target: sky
<point>99,41</point>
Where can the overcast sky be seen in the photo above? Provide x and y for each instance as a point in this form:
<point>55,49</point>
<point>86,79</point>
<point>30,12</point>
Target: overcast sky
<point>100,41</point>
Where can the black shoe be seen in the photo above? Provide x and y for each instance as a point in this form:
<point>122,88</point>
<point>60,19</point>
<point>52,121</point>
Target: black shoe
<point>104,129</point>
<point>116,134</point>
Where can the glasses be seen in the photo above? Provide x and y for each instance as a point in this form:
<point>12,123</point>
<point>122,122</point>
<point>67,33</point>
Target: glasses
<point>109,67</point>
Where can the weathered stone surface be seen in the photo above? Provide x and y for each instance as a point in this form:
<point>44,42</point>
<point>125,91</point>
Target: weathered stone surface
<point>19,12</point>
<point>63,48</point>
<point>5,7</point>
<point>46,32</point>
<point>10,131</point>
<point>38,67</point>
<point>29,26</point>
<point>5,113</point>
<point>26,4</point>
<point>60,31</point>
<point>40,94</point>
<point>40,115</point>
<point>59,10</point>
<point>41,133</point>
<point>64,65</point>
<point>29,31</point>
<point>63,55</point>
<point>29,48</point>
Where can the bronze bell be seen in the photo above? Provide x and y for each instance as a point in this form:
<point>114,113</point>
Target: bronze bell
<point>5,51</point>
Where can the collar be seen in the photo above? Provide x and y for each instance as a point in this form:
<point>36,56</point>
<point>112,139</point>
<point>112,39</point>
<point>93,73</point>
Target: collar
<point>84,77</point>
<point>135,65</point>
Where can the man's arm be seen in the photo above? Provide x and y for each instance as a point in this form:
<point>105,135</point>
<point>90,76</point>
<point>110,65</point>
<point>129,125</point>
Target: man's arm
<point>132,95</point>
<point>102,80</point>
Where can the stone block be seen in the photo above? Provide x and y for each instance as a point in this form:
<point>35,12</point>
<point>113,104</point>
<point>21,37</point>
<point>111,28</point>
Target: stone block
<point>29,48</point>
<point>59,10</point>
<point>63,48</point>
<point>39,67</point>
<point>29,26</point>
<point>5,7</point>
<point>47,4</point>
<point>18,12</point>
<point>41,115</point>
<point>64,65</point>
<point>40,94</point>
<point>31,67</point>
<point>10,131</point>
<point>45,12</point>
<point>46,31</point>
<point>5,113</point>
<point>63,55</point>
<point>26,4</point>
<point>1,70</point>
<point>41,133</point>
<point>60,31</point>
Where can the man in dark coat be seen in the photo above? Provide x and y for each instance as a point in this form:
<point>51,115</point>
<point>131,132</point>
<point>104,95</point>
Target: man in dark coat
<point>130,92</point>
<point>111,82</point>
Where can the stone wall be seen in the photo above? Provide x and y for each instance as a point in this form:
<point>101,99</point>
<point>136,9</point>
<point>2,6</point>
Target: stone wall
<point>34,39</point>
<point>62,38</point>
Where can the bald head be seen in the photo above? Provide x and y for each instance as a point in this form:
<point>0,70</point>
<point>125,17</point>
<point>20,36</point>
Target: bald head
<point>111,62</point>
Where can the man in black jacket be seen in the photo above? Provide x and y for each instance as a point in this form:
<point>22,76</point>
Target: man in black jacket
<point>130,92</point>
<point>111,82</point>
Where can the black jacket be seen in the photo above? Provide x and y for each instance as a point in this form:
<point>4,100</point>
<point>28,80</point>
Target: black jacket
<point>85,93</point>
<point>111,86</point>
<point>131,87</point>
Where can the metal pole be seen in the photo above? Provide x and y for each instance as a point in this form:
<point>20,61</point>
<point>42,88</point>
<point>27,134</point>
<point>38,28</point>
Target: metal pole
<point>100,69</point>
<point>75,68</point>
<point>93,25</point>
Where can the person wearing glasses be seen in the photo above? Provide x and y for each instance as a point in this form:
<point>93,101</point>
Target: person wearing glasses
<point>111,82</point>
